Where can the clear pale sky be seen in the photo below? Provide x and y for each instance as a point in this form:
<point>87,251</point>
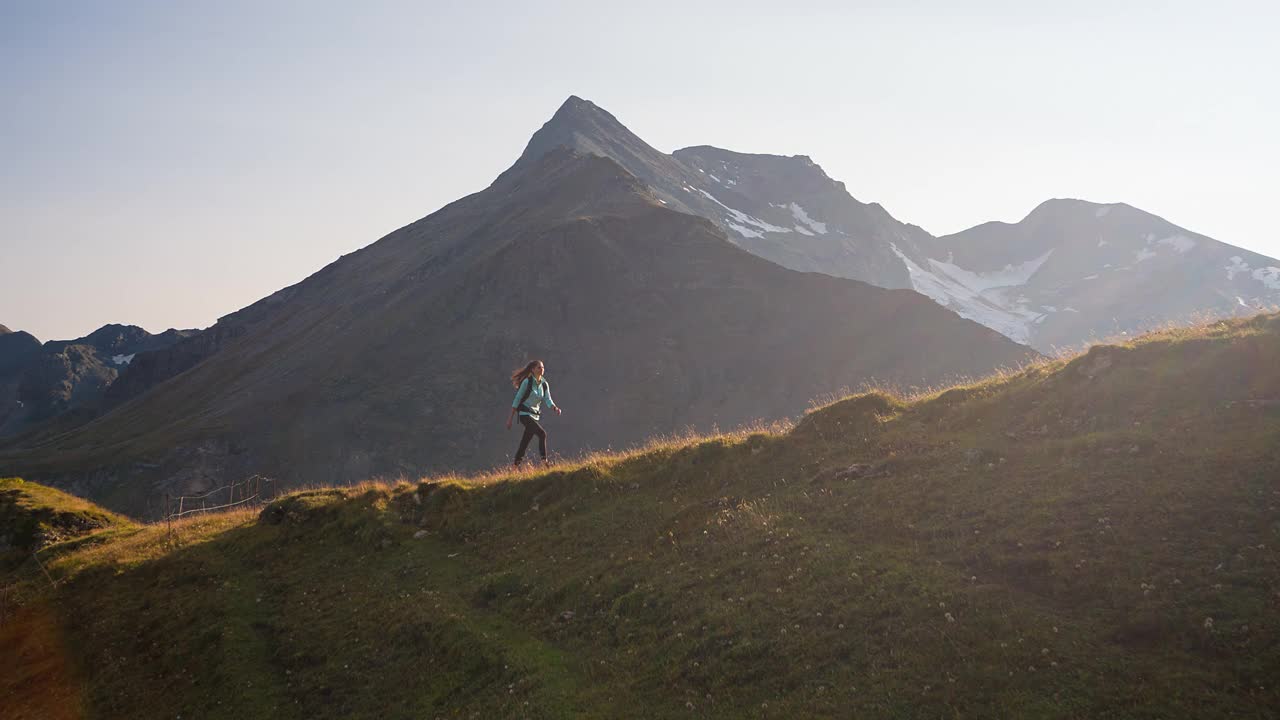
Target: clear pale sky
<point>166,163</point>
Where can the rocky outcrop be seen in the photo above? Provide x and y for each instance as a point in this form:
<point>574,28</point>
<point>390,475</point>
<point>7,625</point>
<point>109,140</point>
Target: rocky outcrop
<point>149,369</point>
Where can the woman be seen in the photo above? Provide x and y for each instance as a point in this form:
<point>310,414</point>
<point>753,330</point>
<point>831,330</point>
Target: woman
<point>531,390</point>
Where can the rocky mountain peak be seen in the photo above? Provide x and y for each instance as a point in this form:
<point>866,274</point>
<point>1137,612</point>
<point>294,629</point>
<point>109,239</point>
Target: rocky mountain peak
<point>583,126</point>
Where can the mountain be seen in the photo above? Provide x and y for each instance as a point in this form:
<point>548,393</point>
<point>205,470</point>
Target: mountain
<point>181,351</point>
<point>1070,273</point>
<point>67,377</point>
<point>393,359</point>
<point>784,209</point>
<point>1089,538</point>
<point>1074,271</point>
<point>17,350</point>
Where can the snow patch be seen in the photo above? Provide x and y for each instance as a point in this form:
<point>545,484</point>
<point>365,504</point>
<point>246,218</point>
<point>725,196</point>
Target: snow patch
<point>803,217</point>
<point>1269,276</point>
<point>979,296</point>
<point>1236,266</point>
<point>1102,211</point>
<point>1181,244</point>
<point>1091,277</point>
<point>713,177</point>
<point>1143,254</point>
<point>802,231</point>
<point>1102,243</point>
<point>744,231</point>
<point>122,359</point>
<point>745,219</point>
<point>1009,276</point>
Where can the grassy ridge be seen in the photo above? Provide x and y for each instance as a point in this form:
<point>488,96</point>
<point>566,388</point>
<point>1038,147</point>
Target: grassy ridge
<point>33,516</point>
<point>1095,537</point>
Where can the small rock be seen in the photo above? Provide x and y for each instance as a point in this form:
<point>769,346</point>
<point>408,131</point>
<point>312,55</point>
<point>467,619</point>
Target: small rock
<point>853,472</point>
<point>566,616</point>
<point>420,534</point>
<point>1100,363</point>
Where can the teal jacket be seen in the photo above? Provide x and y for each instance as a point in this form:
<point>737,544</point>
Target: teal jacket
<point>534,401</point>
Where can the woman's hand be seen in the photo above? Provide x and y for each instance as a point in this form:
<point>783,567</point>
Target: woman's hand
<point>557,409</point>
<point>508,423</point>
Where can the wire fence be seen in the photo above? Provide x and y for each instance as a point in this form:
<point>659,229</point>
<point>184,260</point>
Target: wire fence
<point>253,490</point>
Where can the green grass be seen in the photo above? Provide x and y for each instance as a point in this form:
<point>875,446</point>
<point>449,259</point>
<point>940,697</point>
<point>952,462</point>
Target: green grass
<point>33,517</point>
<point>1090,537</point>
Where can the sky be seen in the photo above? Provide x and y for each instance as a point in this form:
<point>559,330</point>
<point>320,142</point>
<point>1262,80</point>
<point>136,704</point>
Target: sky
<point>166,163</point>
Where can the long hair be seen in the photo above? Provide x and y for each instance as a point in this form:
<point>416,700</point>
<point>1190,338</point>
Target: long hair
<point>518,376</point>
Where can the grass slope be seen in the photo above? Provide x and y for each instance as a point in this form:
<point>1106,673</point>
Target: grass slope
<point>1088,538</point>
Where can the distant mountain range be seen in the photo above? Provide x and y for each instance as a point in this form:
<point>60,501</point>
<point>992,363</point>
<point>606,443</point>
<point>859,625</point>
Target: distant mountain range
<point>661,289</point>
<point>1070,273</point>
<point>39,382</point>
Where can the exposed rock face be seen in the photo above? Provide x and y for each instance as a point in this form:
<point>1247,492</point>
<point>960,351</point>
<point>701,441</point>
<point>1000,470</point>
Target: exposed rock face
<point>150,368</point>
<point>394,359</point>
<point>63,376</point>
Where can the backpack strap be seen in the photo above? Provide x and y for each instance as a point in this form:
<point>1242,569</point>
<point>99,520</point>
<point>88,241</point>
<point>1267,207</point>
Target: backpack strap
<point>529,391</point>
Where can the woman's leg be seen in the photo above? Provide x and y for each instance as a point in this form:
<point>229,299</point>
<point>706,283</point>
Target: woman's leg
<point>529,432</point>
<point>542,440</point>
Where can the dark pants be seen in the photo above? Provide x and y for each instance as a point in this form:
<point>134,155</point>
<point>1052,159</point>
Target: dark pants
<point>531,428</point>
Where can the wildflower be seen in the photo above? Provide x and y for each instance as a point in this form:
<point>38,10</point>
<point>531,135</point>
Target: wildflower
<point>950,618</point>
<point>1208,623</point>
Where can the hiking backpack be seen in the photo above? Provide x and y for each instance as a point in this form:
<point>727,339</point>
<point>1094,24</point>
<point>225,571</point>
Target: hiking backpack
<point>529,391</point>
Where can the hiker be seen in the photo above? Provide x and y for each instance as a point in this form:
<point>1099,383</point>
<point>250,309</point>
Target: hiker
<point>531,390</point>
